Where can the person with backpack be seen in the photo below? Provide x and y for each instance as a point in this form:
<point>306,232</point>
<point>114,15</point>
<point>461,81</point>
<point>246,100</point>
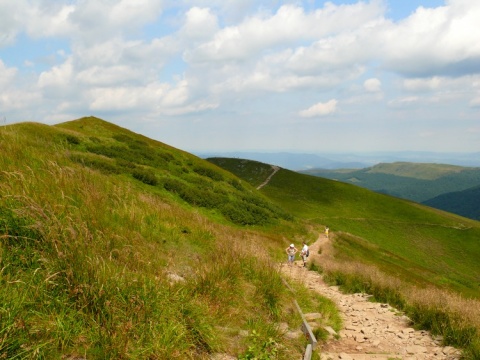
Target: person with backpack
<point>305,253</point>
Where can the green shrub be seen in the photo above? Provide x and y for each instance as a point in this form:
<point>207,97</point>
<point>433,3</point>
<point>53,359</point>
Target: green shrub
<point>211,173</point>
<point>236,184</point>
<point>125,164</point>
<point>136,152</point>
<point>103,165</point>
<point>71,139</point>
<point>122,138</point>
<point>108,151</point>
<point>239,214</point>
<point>260,348</point>
<point>202,198</point>
<point>174,185</point>
<point>145,175</point>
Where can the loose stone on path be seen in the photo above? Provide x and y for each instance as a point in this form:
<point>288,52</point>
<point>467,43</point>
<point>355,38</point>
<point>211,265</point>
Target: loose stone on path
<point>371,330</point>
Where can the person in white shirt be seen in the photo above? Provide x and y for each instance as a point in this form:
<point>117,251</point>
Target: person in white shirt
<point>305,253</point>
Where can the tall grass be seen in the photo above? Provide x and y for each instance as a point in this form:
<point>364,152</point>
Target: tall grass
<point>103,267</point>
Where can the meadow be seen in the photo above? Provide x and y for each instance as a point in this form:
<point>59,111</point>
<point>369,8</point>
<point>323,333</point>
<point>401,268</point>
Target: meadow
<point>419,259</point>
<point>101,257</point>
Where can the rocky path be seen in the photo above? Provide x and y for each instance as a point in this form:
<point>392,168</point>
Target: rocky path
<point>371,330</point>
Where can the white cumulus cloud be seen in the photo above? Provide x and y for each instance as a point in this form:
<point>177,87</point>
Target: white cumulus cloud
<point>442,41</point>
<point>288,25</point>
<point>200,23</point>
<point>320,109</point>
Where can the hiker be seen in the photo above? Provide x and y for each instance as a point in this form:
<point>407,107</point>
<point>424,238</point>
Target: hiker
<point>326,231</point>
<point>305,253</point>
<point>291,251</point>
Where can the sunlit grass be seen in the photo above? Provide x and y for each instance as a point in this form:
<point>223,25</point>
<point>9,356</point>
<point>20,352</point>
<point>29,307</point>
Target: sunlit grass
<point>105,266</point>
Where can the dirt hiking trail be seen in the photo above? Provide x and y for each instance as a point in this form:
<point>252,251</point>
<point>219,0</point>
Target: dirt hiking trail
<point>267,180</point>
<point>370,330</point>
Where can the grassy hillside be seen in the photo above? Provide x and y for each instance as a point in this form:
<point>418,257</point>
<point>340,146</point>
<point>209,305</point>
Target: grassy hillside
<point>465,203</point>
<point>115,246</point>
<point>421,259</point>
<point>189,178</point>
<point>413,181</point>
<point>424,244</point>
<point>254,172</point>
<point>423,171</point>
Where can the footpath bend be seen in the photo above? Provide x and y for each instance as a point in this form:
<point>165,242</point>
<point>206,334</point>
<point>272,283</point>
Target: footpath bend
<point>370,330</point>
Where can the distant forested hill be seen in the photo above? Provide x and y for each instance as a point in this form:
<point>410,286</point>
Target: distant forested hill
<point>414,181</point>
<point>465,203</point>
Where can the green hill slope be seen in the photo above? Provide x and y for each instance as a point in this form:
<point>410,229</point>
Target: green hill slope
<point>403,238</point>
<point>183,175</point>
<point>254,172</point>
<point>422,260</point>
<point>115,246</point>
<point>465,203</point>
<point>413,181</point>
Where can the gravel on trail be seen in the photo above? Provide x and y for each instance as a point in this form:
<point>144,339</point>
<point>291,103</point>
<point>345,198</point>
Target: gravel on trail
<point>370,330</point>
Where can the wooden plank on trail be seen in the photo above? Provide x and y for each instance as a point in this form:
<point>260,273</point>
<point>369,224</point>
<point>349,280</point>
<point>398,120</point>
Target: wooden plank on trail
<point>307,330</point>
<point>308,352</point>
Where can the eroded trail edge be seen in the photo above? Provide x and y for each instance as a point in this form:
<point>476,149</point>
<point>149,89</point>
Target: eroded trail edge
<point>370,330</point>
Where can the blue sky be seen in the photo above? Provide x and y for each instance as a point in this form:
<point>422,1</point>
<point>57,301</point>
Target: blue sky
<point>246,75</point>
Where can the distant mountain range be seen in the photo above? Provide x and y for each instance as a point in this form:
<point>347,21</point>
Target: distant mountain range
<point>306,161</point>
<point>448,187</point>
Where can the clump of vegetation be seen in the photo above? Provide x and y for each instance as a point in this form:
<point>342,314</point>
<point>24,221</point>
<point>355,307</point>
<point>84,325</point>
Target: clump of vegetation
<point>145,175</point>
<point>260,349</point>
<point>103,165</point>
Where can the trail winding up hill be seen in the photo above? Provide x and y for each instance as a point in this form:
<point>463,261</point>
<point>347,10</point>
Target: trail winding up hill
<point>370,330</point>
<point>275,169</point>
